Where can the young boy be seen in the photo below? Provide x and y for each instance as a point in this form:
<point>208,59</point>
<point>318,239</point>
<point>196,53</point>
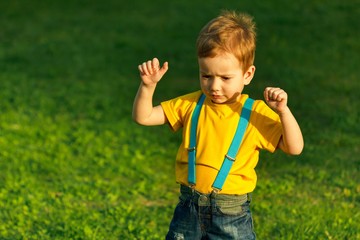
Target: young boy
<point>215,205</point>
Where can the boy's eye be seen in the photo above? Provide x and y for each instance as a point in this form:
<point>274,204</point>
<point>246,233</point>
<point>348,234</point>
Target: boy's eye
<point>206,76</point>
<point>225,78</point>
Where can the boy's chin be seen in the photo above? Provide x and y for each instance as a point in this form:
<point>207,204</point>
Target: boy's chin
<point>222,100</point>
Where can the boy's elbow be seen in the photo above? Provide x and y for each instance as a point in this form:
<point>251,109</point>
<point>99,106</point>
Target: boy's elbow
<point>295,151</point>
<point>142,121</point>
<point>292,149</point>
<point>138,120</point>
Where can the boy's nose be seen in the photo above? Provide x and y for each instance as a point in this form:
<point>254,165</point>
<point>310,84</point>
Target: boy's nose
<point>215,84</point>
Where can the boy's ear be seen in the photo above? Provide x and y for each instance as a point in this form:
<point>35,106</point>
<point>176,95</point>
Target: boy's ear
<point>249,74</point>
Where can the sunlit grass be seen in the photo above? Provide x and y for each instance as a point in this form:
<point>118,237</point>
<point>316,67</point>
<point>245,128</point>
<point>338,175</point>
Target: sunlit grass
<point>73,165</point>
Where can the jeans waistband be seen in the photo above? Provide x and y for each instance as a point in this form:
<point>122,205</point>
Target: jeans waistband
<point>205,199</point>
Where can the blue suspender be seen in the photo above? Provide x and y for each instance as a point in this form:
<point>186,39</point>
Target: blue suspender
<point>235,145</point>
<point>191,149</point>
<point>233,149</point>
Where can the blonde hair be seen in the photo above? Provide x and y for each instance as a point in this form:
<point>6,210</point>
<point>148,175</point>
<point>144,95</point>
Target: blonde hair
<point>230,32</point>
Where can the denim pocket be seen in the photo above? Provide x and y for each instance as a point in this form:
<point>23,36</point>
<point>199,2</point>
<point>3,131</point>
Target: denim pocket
<point>231,206</point>
<point>232,209</point>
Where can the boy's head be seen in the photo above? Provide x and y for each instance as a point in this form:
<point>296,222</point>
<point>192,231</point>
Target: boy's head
<point>232,33</point>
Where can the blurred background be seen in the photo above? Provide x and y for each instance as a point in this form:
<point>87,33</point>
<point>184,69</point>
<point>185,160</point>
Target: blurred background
<point>73,165</point>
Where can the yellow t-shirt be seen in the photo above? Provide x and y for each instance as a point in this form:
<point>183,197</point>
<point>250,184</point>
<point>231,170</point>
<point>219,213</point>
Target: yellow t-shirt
<point>216,128</point>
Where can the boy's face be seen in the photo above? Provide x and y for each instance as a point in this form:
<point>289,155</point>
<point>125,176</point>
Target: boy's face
<point>222,78</point>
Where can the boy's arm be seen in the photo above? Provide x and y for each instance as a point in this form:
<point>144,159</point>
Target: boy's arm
<point>292,141</point>
<point>144,112</point>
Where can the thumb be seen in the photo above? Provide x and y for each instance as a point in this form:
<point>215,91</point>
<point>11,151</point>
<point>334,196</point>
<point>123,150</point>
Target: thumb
<point>164,68</point>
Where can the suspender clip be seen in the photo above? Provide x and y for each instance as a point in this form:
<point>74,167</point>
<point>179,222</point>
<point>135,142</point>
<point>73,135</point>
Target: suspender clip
<point>216,190</point>
<point>192,187</point>
<point>230,158</point>
<point>191,149</point>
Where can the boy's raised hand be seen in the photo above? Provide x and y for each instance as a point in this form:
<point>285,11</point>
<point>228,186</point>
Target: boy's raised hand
<point>276,98</point>
<point>151,73</point>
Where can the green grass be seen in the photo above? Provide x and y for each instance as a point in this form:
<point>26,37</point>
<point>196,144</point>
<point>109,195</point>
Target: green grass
<point>73,165</point>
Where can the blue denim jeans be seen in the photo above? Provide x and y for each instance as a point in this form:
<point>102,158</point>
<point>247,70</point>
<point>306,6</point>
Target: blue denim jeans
<point>211,216</point>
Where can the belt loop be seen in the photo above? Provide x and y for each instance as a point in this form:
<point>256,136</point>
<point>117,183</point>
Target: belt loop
<point>192,187</point>
<point>248,195</point>
<point>215,192</point>
<point>192,199</point>
<point>213,199</point>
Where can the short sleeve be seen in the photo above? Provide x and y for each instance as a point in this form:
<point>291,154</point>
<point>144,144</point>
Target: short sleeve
<point>267,125</point>
<point>177,110</point>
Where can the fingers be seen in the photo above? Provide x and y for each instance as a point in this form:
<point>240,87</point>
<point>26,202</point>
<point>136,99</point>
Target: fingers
<point>164,68</point>
<point>274,94</point>
<point>152,67</point>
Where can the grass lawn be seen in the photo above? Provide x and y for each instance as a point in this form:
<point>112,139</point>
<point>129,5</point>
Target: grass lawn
<point>73,165</point>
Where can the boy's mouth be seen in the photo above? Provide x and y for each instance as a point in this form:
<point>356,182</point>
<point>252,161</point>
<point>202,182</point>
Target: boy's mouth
<point>216,96</point>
